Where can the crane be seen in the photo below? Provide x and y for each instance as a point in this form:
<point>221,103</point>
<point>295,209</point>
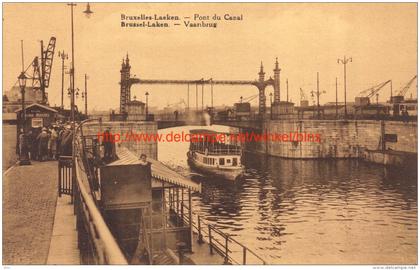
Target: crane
<point>41,70</point>
<point>182,101</point>
<point>370,92</point>
<point>404,89</point>
<point>248,99</point>
<point>302,95</point>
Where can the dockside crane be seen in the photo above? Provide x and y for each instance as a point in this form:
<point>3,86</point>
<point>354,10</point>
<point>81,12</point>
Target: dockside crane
<point>47,62</point>
<point>303,99</point>
<point>364,96</point>
<point>41,69</point>
<point>180,102</point>
<point>405,88</point>
<point>248,99</point>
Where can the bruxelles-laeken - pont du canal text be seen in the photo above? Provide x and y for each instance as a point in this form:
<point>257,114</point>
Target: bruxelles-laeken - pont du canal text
<point>167,20</point>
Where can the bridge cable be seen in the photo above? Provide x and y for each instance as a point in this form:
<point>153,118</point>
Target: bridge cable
<point>188,97</point>
<point>196,96</point>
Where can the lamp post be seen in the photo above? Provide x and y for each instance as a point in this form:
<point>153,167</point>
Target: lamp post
<point>344,61</point>
<point>63,56</point>
<point>23,147</point>
<point>84,95</point>
<point>87,12</point>
<point>147,105</point>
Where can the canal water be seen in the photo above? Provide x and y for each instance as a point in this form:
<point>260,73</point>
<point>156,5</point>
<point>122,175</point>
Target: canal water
<point>310,211</point>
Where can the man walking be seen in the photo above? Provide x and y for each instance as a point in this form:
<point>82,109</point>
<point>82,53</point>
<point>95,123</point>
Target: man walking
<point>43,139</point>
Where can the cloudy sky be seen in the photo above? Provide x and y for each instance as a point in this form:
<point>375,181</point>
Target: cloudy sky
<point>306,38</point>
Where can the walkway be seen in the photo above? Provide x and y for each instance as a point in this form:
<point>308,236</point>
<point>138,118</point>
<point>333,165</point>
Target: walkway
<point>63,247</point>
<point>29,202</point>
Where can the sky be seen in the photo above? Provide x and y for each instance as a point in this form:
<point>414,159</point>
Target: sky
<point>381,39</point>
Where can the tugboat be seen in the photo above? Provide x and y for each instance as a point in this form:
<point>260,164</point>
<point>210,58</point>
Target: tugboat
<point>208,154</point>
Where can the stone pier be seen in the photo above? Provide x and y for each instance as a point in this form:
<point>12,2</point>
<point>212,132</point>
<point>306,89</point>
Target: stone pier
<point>338,139</point>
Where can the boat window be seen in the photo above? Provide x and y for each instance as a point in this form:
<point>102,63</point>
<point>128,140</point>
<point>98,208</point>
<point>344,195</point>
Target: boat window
<point>234,161</point>
<point>221,161</point>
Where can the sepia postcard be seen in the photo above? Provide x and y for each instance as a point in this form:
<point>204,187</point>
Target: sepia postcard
<point>210,134</point>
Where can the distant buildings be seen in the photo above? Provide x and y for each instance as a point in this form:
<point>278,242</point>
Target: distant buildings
<point>12,101</point>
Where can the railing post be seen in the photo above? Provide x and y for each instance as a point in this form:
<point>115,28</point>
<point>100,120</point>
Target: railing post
<point>163,214</point>
<point>72,177</point>
<point>210,242</point>
<point>182,213</point>
<point>170,199</point>
<point>151,232</point>
<point>226,261</point>
<point>200,235</point>
<point>190,218</point>
<point>59,177</point>
<point>177,206</point>
<point>182,206</point>
<point>244,258</point>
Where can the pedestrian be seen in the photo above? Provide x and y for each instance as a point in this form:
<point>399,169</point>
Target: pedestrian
<point>22,143</point>
<point>29,142</point>
<point>148,166</point>
<point>143,159</point>
<point>20,131</point>
<point>52,144</point>
<point>43,139</point>
<point>34,146</point>
<point>58,141</point>
<point>407,116</point>
<point>66,144</point>
<point>108,143</point>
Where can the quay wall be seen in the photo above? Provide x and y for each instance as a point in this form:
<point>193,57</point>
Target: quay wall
<point>123,128</point>
<point>338,139</point>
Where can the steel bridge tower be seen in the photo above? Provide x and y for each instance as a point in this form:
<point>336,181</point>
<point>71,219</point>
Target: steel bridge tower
<point>125,86</point>
<point>126,83</point>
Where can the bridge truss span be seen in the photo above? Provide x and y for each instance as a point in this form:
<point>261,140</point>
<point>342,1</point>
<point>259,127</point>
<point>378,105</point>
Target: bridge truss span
<point>127,81</point>
<point>201,81</point>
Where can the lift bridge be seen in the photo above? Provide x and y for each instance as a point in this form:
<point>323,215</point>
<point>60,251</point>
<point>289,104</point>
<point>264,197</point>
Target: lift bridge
<point>127,81</point>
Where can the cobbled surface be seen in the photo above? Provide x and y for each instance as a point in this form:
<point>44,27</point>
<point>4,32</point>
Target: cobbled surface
<point>29,201</point>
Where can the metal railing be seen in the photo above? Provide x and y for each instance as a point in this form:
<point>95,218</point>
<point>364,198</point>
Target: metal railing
<point>95,241</point>
<point>229,248</point>
<point>65,183</point>
<point>218,152</point>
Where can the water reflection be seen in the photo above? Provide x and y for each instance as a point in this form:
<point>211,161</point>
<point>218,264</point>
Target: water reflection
<point>313,211</point>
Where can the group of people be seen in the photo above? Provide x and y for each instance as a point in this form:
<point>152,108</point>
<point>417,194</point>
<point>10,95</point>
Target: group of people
<point>46,143</point>
<point>405,115</point>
